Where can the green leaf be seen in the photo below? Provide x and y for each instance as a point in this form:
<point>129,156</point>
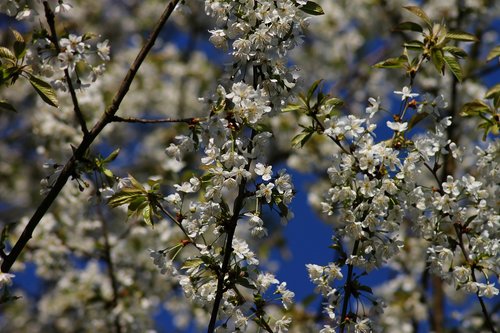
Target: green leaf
<point>461,36</point>
<point>416,118</point>
<point>146,214</point>
<point>301,139</point>
<point>108,173</point>
<point>6,106</point>
<point>420,13</point>
<point>245,283</point>
<point>312,89</point>
<point>5,53</point>
<point>312,8</point>
<point>437,59</point>
<point>19,44</point>
<point>192,263</point>
<point>365,289</point>
<point>414,45</point>
<point>493,91</point>
<point>45,90</point>
<point>292,107</point>
<point>455,51</point>
<point>411,26</point>
<point>334,102</point>
<point>454,67</point>
<point>399,62</point>
<point>112,156</point>
<point>495,52</point>
<point>474,108</point>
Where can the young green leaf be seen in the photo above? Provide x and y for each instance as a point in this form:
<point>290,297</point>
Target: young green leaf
<point>312,8</point>
<point>301,138</point>
<point>45,90</point>
<point>461,36</point>
<point>493,91</point>
<point>19,44</point>
<point>399,62</point>
<point>312,89</point>
<point>474,108</point>
<point>455,51</point>
<point>495,52</point>
<point>408,26</point>
<point>6,106</point>
<point>292,107</point>
<point>5,53</point>
<point>414,45</point>
<point>112,156</point>
<point>454,67</point>
<point>437,59</point>
<point>420,13</point>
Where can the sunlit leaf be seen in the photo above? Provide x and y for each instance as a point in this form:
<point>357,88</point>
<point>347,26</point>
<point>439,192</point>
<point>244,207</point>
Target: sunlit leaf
<point>454,67</point>
<point>5,53</point>
<point>493,91</point>
<point>495,52</point>
<point>312,8</point>
<point>456,51</point>
<point>414,45</point>
<point>19,44</point>
<point>399,62</point>
<point>301,139</point>
<point>437,59</point>
<point>474,108</point>
<point>461,36</point>
<point>420,13</point>
<point>44,90</point>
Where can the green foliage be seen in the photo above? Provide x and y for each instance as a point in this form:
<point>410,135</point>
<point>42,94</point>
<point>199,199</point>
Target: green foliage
<point>434,46</point>
<point>488,113</point>
<point>12,67</point>
<point>316,105</point>
<point>139,200</point>
<point>312,8</point>
<point>494,53</point>
<point>44,90</point>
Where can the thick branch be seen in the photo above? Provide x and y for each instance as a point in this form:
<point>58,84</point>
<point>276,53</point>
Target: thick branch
<point>228,250</point>
<point>49,15</point>
<point>347,289</point>
<point>106,118</point>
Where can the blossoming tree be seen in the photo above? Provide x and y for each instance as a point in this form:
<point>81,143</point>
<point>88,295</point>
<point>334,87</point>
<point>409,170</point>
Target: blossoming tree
<point>164,164</point>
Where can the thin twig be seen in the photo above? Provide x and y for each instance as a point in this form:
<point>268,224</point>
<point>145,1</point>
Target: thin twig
<point>69,167</point>
<point>49,15</point>
<point>461,245</point>
<point>190,121</point>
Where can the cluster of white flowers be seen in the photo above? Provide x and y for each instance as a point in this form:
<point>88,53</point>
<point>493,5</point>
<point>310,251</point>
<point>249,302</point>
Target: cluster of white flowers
<point>379,187</point>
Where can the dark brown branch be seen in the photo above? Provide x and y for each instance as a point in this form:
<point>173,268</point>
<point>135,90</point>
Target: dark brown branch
<point>190,121</point>
<point>347,289</point>
<point>49,15</point>
<point>78,153</point>
<point>228,250</point>
<point>228,247</point>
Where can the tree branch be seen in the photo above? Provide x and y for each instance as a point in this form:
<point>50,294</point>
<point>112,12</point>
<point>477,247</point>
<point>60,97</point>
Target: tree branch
<point>228,250</point>
<point>49,15</point>
<point>190,121</point>
<point>347,289</point>
<point>106,118</point>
